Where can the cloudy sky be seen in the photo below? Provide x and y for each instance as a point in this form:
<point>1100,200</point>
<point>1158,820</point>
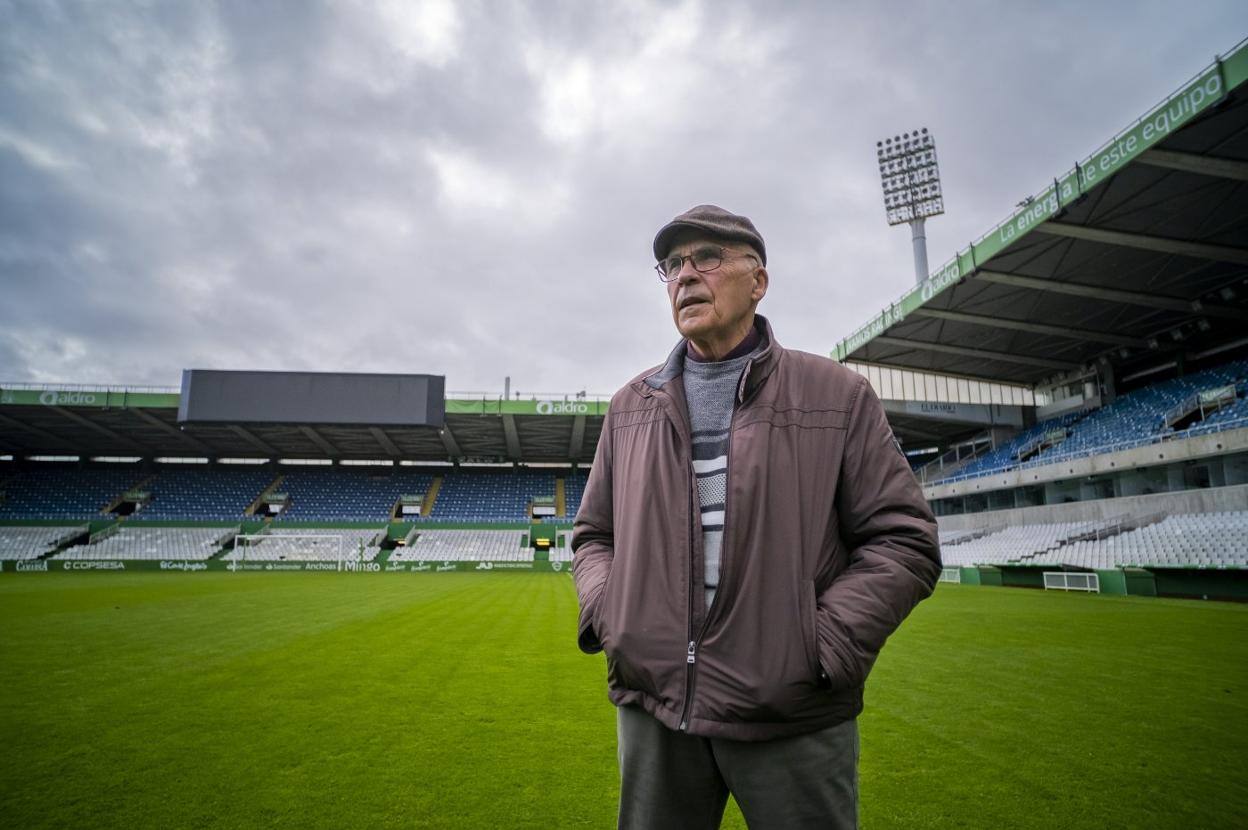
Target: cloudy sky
<point>471,188</point>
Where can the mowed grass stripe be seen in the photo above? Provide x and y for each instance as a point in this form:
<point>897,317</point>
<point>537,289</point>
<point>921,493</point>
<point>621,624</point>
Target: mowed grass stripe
<point>1073,710</point>
<point>460,700</point>
<point>339,701</point>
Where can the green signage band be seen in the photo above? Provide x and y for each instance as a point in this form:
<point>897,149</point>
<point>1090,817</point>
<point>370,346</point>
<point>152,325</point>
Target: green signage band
<point>92,398</point>
<point>499,406</point>
<point>117,399</point>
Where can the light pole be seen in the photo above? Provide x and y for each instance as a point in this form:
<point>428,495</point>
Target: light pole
<point>910,177</point>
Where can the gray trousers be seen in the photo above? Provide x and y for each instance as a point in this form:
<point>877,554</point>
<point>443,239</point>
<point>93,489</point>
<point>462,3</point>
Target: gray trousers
<point>673,780</point>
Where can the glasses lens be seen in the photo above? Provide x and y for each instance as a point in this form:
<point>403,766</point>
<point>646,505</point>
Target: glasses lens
<point>670,267</point>
<point>707,259</point>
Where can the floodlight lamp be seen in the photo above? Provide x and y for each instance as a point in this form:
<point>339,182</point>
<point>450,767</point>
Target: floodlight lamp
<point>909,176</point>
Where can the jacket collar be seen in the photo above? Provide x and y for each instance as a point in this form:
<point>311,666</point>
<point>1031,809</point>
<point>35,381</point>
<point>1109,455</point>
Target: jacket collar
<point>756,369</point>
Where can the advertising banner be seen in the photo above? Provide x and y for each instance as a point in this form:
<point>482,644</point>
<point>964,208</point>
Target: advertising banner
<point>219,565</point>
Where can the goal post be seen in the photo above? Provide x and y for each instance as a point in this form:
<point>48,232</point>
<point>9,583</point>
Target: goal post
<point>1072,581</point>
<point>250,550</point>
<point>953,575</point>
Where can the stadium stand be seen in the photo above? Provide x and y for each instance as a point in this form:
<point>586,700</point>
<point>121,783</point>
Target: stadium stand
<point>491,496</point>
<point>204,494</point>
<point>23,543</point>
<point>1133,419</point>
<point>574,489</point>
<point>347,495</point>
<point>148,543</point>
<point>1011,544</point>
<point>460,545</point>
<point>1190,540</point>
<point>1179,541</point>
<point>54,491</point>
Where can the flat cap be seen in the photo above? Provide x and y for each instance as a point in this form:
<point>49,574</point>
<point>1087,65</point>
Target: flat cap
<point>717,222</point>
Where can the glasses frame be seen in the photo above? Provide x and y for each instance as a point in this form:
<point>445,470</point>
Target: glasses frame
<point>724,254</point>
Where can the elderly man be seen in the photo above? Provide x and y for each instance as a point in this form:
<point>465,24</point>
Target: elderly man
<point>749,536</point>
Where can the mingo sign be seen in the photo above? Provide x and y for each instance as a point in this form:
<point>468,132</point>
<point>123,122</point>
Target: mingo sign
<point>38,565</point>
<point>562,408</point>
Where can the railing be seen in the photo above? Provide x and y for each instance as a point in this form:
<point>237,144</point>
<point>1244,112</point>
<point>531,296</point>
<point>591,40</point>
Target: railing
<point>1116,446</point>
<point>86,387</point>
<point>21,386</point>
<point>937,465</point>
<point>1180,409</point>
<point>517,395</point>
<point>972,535</point>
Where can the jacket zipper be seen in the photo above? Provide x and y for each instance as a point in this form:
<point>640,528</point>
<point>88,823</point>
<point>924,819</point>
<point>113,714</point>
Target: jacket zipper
<point>691,654</point>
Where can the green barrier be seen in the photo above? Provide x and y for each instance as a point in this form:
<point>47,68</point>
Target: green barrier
<point>1112,582</point>
<point>1139,582</point>
<point>970,576</point>
<point>1202,583</point>
<point>1013,576</point>
<point>988,575</point>
<point>220,565</point>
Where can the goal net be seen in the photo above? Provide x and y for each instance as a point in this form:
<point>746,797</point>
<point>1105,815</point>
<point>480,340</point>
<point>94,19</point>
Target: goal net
<point>1072,581</point>
<point>951,575</point>
<point>267,551</point>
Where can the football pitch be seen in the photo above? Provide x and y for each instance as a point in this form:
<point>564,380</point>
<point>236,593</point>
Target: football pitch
<point>460,700</point>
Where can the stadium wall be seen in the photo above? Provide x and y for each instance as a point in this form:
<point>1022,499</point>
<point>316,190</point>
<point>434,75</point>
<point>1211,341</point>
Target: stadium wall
<point>1211,445</point>
<point>1212,500</point>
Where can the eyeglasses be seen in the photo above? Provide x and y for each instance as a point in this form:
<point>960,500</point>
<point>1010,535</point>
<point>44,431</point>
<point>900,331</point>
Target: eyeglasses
<point>704,259</point>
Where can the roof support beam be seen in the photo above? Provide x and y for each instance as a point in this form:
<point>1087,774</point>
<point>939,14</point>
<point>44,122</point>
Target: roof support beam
<point>983,354</point>
<point>389,446</point>
<point>1034,328</point>
<point>911,432</point>
<point>315,437</point>
<point>247,436</point>
<point>1219,168</point>
<point>577,443</point>
<point>512,438</point>
<point>102,430</point>
<point>1147,242</point>
<point>449,442</point>
<point>170,429</point>
<point>1112,295</point>
<point>55,440</point>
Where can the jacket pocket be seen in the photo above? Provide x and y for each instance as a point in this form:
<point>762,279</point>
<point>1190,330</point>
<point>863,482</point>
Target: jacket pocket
<point>600,608</point>
<point>810,629</point>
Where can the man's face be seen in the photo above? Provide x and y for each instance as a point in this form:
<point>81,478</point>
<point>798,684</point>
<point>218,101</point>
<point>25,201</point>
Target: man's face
<point>711,305</point>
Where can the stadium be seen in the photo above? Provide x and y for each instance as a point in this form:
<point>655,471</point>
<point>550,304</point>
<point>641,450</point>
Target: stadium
<point>319,599</point>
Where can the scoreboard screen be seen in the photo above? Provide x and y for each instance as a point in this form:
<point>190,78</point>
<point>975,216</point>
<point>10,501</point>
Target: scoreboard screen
<point>343,398</point>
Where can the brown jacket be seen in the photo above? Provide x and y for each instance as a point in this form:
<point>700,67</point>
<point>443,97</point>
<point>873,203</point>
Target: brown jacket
<point>828,544</point>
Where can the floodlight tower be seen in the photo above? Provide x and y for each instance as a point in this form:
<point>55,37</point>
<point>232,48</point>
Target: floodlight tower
<point>911,181</point>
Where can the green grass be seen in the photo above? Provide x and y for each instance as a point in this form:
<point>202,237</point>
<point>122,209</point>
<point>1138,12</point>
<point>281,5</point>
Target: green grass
<point>459,700</point>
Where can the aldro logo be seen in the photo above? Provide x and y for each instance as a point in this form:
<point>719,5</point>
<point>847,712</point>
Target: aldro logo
<point>562,408</point>
<point>51,398</point>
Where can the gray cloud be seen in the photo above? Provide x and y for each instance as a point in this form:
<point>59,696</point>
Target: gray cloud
<point>470,188</point>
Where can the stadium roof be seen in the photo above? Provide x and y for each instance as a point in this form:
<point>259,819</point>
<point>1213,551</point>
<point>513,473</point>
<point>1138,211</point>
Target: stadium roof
<point>1137,254</point>
<point>119,421</point>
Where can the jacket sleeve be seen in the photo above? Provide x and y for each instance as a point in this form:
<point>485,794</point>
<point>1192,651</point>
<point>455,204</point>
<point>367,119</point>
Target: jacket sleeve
<point>894,552</point>
<point>593,541</point>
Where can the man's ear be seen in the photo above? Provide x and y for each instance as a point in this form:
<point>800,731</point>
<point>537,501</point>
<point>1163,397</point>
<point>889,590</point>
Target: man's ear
<point>760,283</point>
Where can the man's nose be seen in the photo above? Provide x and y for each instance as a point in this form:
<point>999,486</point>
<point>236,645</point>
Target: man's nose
<point>687,272</point>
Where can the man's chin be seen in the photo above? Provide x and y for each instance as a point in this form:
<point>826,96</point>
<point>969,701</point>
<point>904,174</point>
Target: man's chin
<point>692,326</point>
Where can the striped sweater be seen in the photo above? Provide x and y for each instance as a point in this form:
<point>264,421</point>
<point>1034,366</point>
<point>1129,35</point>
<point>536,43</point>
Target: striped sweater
<point>711,392</point>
